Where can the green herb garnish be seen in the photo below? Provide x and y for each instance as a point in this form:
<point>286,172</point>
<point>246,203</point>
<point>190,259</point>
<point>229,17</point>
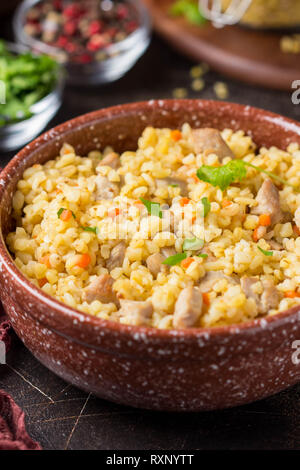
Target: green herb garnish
<point>223,176</point>
<point>265,252</point>
<point>175,259</point>
<point>206,206</point>
<point>173,185</point>
<point>60,212</point>
<point>189,9</point>
<point>27,78</point>
<point>153,208</point>
<point>192,244</point>
<point>233,171</point>
<point>203,255</point>
<point>91,229</point>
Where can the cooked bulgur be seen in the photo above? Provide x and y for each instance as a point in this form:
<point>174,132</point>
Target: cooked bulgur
<point>150,238</point>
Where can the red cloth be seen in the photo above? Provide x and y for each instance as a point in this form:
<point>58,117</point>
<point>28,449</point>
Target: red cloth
<point>13,435</point>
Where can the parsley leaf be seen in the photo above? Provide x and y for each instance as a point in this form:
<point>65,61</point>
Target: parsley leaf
<point>192,244</point>
<point>233,171</point>
<point>153,208</point>
<point>206,206</point>
<point>175,259</point>
<point>223,176</point>
<point>266,253</point>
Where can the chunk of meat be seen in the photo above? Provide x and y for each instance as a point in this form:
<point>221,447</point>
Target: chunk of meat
<point>269,202</point>
<point>270,296</point>
<point>297,217</point>
<point>207,283</point>
<point>173,180</point>
<point>266,301</point>
<point>154,263</point>
<point>188,308</point>
<point>168,251</point>
<point>117,256</point>
<point>105,189</point>
<point>210,256</point>
<point>136,312</point>
<point>208,140</point>
<point>274,245</point>
<point>100,289</point>
<point>111,159</point>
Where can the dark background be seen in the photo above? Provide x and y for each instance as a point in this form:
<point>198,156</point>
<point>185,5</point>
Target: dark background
<point>60,416</point>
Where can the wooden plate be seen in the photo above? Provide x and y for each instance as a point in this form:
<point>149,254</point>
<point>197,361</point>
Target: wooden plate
<point>248,55</point>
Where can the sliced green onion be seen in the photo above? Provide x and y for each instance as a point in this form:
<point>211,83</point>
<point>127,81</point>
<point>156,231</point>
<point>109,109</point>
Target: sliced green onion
<point>153,208</point>
<point>206,206</point>
<point>265,252</point>
<point>91,229</point>
<point>192,244</point>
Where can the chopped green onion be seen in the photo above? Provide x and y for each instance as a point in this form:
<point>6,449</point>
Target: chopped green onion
<point>203,255</point>
<point>153,208</point>
<point>91,229</point>
<point>193,244</point>
<point>206,206</point>
<point>173,185</point>
<point>175,259</point>
<point>265,252</point>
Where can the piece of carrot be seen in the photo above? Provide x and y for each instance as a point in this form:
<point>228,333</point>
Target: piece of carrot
<point>264,220</point>
<point>296,230</point>
<point>66,215</point>
<point>184,201</point>
<point>291,294</point>
<point>46,260</point>
<point>206,298</point>
<point>114,212</point>
<point>255,235</point>
<point>195,178</point>
<point>42,282</point>
<point>226,203</point>
<point>186,263</point>
<point>176,135</point>
<point>83,261</point>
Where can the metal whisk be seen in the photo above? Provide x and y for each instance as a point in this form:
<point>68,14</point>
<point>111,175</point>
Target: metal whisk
<point>213,11</point>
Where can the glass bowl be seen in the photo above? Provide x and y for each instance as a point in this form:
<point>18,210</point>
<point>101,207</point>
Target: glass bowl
<point>16,135</point>
<point>121,55</point>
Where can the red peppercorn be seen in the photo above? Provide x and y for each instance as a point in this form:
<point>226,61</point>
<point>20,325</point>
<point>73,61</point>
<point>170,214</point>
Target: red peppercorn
<point>95,27</point>
<point>96,42</point>
<point>71,11</point>
<point>70,28</point>
<point>62,41</point>
<point>122,12</point>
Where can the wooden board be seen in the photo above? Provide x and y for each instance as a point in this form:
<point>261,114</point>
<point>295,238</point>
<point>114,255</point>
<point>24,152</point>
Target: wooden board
<point>248,55</point>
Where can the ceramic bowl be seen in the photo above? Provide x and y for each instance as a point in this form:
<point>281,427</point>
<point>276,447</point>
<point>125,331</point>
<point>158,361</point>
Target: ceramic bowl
<point>174,370</point>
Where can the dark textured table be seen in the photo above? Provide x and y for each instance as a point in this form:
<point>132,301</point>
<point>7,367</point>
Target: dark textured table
<point>60,416</point>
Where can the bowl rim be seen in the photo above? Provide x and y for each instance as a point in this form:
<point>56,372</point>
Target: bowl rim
<point>7,263</point>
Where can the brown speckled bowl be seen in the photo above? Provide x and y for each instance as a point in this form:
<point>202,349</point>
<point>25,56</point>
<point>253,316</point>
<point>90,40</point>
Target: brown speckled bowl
<point>176,370</point>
